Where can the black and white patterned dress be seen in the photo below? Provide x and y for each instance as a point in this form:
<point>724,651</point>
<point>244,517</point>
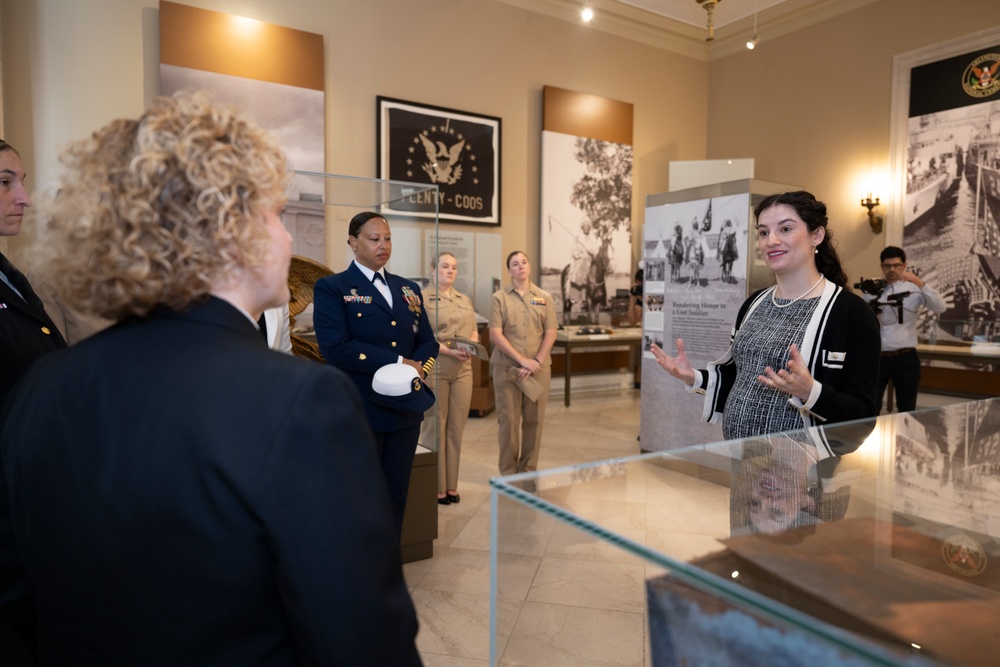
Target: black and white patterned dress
<point>753,408</point>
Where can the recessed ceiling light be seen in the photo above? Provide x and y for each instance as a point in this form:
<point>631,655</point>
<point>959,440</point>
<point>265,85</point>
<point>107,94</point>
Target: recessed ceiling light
<point>587,14</point>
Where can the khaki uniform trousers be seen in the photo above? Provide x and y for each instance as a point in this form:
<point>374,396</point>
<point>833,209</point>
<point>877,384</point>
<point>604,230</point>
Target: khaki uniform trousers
<point>452,388</point>
<point>515,410</point>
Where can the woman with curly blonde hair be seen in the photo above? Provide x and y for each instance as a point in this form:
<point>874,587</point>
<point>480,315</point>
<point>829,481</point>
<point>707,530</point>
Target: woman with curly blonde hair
<point>156,212</point>
<point>180,494</point>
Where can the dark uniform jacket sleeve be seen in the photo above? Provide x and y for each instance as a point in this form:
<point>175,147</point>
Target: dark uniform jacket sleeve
<point>26,330</point>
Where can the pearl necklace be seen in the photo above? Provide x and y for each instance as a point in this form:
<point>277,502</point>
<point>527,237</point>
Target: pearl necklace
<point>798,298</point>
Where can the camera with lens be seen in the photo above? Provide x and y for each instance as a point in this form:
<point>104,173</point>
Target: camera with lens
<point>875,287</point>
<point>872,286</point>
<point>636,290</point>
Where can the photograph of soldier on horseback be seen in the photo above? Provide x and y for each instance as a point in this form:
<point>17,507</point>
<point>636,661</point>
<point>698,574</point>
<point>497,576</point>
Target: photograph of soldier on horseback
<point>583,282</point>
<point>586,235</point>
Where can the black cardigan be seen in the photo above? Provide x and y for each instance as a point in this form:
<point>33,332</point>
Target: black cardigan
<point>841,348</point>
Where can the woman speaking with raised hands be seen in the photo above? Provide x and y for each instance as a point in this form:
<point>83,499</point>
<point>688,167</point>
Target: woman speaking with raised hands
<point>804,351</point>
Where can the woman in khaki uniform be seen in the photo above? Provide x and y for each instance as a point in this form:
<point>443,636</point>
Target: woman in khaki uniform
<point>452,314</point>
<point>522,329</point>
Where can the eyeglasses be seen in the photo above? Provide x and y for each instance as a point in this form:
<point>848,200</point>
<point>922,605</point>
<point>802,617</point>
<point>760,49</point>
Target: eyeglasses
<point>890,267</point>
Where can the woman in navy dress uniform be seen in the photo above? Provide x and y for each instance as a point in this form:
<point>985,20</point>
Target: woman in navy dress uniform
<point>362,326</point>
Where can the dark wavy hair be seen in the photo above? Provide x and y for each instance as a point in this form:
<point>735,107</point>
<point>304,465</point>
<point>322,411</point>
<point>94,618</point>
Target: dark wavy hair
<point>813,213</point>
<point>891,251</point>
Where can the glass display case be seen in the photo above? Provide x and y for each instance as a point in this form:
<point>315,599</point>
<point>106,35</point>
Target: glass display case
<point>320,207</point>
<point>865,543</point>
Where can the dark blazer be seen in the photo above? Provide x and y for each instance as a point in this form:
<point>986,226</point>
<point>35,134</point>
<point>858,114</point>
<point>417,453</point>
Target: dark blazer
<point>181,495</point>
<point>358,333</point>
<point>26,331</point>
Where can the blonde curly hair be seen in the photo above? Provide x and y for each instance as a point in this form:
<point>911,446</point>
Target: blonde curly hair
<point>155,212</point>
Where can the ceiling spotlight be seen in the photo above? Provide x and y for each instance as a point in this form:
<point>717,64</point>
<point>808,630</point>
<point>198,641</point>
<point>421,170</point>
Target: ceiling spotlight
<point>756,38</point>
<point>587,14</point>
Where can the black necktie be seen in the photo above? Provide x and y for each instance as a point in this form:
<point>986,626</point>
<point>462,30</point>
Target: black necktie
<point>262,323</point>
<point>383,289</point>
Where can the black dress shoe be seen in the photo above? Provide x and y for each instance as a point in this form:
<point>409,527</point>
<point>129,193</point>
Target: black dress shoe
<point>453,497</point>
<point>445,501</point>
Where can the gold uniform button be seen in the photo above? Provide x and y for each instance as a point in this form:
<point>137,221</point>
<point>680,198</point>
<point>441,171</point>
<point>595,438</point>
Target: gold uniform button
<point>394,343</point>
<point>359,314</point>
<point>394,323</point>
<point>46,331</point>
<point>362,356</point>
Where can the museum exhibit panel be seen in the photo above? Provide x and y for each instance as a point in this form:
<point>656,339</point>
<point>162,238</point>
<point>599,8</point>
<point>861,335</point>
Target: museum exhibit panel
<point>865,543</point>
<point>701,263</point>
<point>317,214</point>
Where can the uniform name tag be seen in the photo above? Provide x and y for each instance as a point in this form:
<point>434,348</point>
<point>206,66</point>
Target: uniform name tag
<point>834,359</point>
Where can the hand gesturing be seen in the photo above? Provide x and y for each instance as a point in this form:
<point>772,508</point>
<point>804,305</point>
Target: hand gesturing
<point>678,366</point>
<point>793,379</point>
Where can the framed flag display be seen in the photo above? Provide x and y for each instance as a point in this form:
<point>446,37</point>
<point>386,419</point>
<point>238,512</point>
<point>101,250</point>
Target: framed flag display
<point>455,150</point>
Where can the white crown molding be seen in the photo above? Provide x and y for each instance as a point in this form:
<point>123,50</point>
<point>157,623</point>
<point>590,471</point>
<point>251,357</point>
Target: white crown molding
<point>625,21</point>
<point>777,21</point>
<point>652,29</point>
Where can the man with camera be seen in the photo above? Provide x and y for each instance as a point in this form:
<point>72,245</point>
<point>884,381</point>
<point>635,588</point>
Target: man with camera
<point>896,302</point>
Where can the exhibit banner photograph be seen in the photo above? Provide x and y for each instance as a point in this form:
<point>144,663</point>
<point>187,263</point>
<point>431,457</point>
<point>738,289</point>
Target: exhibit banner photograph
<point>946,146</point>
<point>695,281</point>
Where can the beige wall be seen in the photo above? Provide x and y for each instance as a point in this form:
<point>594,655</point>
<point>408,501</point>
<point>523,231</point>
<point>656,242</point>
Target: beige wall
<point>76,64</point>
<point>813,107</point>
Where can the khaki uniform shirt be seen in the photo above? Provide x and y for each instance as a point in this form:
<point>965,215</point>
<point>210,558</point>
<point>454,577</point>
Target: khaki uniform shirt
<point>524,321</point>
<point>450,314</point>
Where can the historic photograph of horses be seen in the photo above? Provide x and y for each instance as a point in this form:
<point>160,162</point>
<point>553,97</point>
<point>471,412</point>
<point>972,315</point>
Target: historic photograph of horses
<point>586,244</point>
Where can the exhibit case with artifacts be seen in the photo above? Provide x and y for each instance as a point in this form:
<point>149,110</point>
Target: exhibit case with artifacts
<point>701,262</point>
<point>874,542</point>
<point>317,214</point>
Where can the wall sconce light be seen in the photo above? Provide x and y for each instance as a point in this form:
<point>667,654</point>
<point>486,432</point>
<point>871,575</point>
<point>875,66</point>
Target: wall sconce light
<point>874,220</point>
<point>709,6</point>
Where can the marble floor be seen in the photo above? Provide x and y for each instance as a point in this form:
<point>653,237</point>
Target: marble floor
<point>564,599</point>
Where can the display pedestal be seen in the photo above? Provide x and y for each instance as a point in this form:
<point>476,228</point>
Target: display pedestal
<point>483,398</point>
<point>420,518</point>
